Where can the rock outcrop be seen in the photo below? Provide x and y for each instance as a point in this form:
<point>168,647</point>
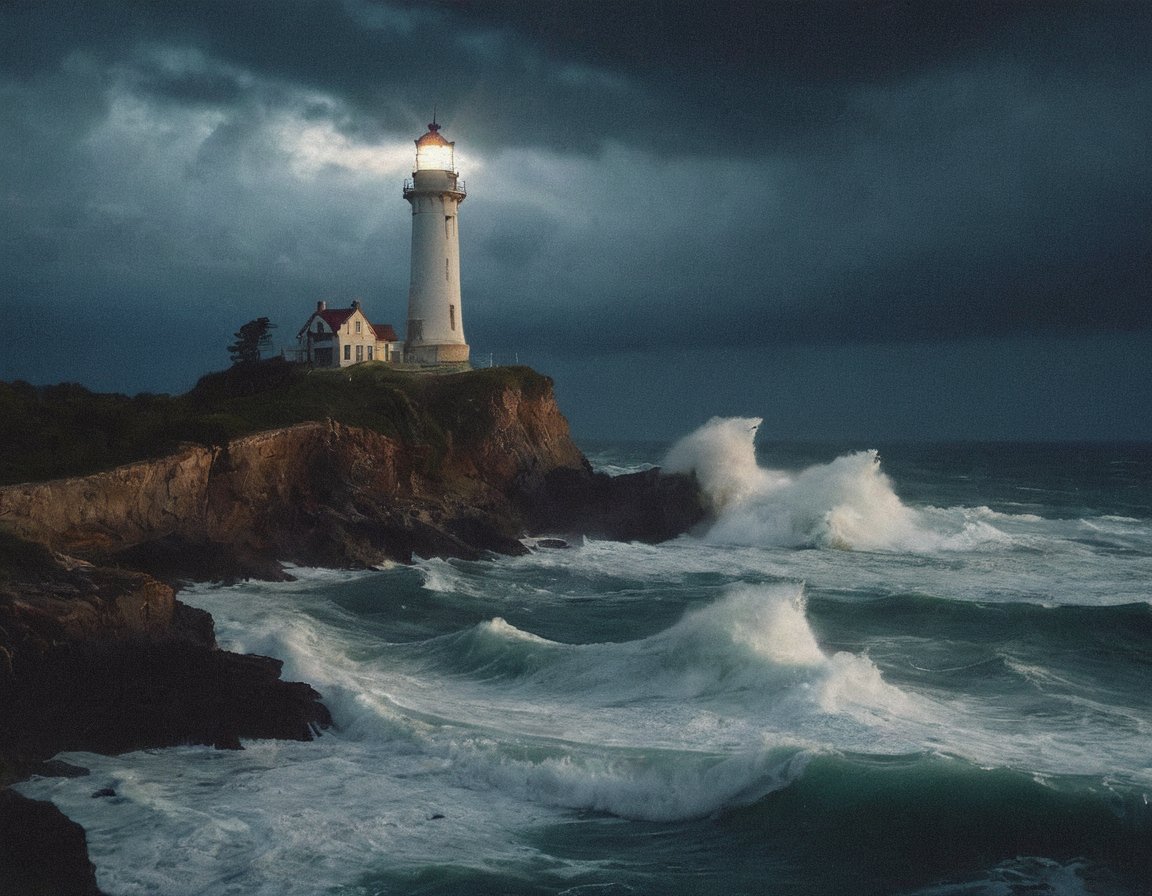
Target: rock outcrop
<point>494,463</point>
<point>108,660</point>
<point>42,852</point>
<point>317,493</point>
<point>95,651</point>
<point>645,506</point>
<point>97,654</point>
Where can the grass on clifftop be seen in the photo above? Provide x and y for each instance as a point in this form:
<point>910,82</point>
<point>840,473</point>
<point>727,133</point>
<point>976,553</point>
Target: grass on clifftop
<point>50,432</point>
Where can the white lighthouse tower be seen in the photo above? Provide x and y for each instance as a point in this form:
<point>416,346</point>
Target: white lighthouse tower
<point>435,327</point>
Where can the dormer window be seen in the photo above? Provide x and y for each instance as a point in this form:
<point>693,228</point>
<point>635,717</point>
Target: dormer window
<point>357,326</point>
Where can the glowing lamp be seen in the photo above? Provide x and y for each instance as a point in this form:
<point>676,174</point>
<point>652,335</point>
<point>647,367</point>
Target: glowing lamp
<point>433,152</point>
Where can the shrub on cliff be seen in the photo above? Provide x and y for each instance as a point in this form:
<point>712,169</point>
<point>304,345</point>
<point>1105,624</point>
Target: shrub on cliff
<point>251,340</point>
<point>56,431</point>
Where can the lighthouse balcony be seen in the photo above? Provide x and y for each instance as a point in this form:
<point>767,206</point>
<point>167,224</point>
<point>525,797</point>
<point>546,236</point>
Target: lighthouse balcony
<point>449,184</point>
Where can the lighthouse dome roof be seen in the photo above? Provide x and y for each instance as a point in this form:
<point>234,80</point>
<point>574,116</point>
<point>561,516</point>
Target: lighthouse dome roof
<point>433,137</point>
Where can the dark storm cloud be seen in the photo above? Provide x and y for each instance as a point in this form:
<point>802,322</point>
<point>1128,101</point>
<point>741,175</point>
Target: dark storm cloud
<point>191,88</point>
<point>643,174</point>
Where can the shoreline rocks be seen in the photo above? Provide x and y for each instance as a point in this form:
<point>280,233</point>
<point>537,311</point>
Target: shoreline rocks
<point>107,660</point>
<point>96,652</point>
<point>42,851</point>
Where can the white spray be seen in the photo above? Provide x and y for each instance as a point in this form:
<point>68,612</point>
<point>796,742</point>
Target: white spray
<point>848,503</point>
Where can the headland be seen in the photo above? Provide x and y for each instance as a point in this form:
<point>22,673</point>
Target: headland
<point>109,503</point>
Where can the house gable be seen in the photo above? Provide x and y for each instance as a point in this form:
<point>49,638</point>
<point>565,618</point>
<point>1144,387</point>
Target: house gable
<point>338,337</point>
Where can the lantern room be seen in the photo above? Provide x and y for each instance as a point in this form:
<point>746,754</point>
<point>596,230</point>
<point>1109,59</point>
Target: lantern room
<point>433,152</point>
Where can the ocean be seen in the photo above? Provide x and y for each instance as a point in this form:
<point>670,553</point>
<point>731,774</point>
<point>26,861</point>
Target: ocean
<point>923,669</point>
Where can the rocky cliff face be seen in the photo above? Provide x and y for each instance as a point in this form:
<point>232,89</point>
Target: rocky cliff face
<point>86,597</point>
<point>97,654</point>
<point>320,493</point>
<point>108,660</point>
<point>87,564</point>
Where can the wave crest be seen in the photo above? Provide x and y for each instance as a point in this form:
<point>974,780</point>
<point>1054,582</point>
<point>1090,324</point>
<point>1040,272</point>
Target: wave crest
<point>848,504</point>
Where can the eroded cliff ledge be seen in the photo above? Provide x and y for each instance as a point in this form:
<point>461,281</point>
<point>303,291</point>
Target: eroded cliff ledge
<point>108,660</point>
<point>436,466</point>
<point>398,465</point>
<point>252,469</point>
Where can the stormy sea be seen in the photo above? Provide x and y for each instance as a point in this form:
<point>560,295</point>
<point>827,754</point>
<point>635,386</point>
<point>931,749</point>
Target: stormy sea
<point>923,669</point>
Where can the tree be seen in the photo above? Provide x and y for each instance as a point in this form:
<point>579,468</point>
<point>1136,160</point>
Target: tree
<point>253,337</point>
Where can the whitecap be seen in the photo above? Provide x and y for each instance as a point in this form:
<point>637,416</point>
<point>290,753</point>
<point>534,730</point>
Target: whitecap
<point>847,504</point>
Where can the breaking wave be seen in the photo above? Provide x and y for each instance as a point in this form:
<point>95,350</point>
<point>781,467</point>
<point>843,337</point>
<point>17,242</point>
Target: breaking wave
<point>754,643</point>
<point>848,504</point>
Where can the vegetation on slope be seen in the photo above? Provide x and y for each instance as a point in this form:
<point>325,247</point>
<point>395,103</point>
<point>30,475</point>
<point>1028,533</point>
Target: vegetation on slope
<point>65,430</point>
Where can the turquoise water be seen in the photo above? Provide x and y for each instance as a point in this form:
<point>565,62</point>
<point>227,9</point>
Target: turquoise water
<point>922,670</point>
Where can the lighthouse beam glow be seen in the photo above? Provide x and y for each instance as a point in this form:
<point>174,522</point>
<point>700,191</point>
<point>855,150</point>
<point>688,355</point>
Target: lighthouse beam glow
<point>434,157</point>
<point>435,333</point>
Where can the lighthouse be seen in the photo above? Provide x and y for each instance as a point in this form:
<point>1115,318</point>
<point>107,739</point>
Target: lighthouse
<point>435,332</point>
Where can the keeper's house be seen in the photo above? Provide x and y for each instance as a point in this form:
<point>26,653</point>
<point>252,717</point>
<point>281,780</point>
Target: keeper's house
<point>338,337</point>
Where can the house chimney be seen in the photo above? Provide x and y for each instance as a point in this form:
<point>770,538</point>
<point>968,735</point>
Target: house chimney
<point>321,306</point>
<point>356,304</point>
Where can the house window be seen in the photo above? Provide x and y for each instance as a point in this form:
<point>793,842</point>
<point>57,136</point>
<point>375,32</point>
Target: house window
<point>359,353</point>
<point>357,326</point>
<point>369,353</point>
<point>347,353</point>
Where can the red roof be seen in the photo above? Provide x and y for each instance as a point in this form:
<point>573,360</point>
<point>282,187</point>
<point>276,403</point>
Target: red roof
<point>335,317</point>
<point>385,333</point>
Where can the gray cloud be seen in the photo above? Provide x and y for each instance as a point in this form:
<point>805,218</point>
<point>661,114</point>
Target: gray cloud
<point>640,175</point>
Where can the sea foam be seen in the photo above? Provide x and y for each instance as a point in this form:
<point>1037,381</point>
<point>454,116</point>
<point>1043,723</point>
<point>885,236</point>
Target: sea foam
<point>848,503</point>
<point>610,739</point>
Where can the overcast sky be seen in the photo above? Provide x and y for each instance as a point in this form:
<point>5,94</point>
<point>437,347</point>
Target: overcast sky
<point>858,220</point>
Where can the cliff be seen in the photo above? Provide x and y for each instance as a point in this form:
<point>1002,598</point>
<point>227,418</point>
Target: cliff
<point>335,468</point>
<point>452,479</point>
<point>453,465</point>
<point>456,465</point>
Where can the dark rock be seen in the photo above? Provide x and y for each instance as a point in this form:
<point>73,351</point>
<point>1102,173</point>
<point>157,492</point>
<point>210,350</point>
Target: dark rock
<point>42,853</point>
<point>119,664</point>
<point>227,740</point>
<point>647,506</point>
<point>115,697</point>
<point>175,559</point>
<point>97,654</point>
<point>103,792</point>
